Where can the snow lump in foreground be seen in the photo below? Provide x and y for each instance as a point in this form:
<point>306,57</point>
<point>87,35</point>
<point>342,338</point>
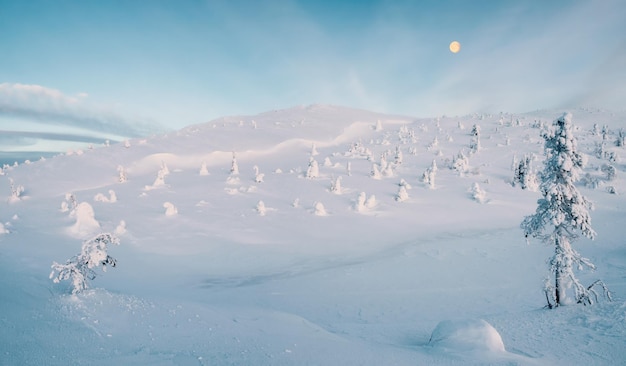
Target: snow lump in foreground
<point>466,335</point>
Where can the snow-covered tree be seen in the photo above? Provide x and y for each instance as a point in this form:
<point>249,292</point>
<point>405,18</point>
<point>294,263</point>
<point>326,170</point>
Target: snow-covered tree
<point>621,138</point>
<point>610,171</point>
<point>121,174</point>
<point>16,191</point>
<point>360,202</point>
<point>313,171</point>
<point>375,173</point>
<point>170,209</point>
<point>402,194</point>
<point>561,212</point>
<point>314,151</point>
<point>261,209</point>
<point>234,167</point>
<point>478,194</point>
<point>460,163</point>
<point>379,126</point>
<point>524,175</point>
<point>349,169</point>
<point>475,140</point>
<point>204,171</point>
<point>258,177</point>
<point>335,186</point>
<point>398,158</point>
<point>80,269</point>
<point>319,209</point>
<point>429,175</point>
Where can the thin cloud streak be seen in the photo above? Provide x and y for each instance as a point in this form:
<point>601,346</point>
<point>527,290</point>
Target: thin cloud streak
<point>52,107</point>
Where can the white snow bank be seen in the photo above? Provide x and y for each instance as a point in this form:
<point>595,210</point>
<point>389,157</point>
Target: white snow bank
<point>466,335</point>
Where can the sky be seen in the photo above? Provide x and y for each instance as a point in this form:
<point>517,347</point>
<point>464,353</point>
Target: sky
<point>76,72</point>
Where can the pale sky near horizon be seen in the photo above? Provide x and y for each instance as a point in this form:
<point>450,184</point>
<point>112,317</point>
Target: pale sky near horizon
<point>72,70</point>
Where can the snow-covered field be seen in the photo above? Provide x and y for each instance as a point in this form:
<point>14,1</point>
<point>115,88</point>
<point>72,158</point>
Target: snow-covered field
<point>271,267</point>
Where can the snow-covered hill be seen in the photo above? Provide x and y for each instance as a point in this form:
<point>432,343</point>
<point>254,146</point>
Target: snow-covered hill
<point>306,256</point>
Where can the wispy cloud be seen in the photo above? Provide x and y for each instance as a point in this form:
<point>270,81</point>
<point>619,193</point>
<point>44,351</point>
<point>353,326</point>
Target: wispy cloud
<point>52,107</point>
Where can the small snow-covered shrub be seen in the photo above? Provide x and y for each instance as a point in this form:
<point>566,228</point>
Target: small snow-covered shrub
<point>375,172</point>
<point>478,194</point>
<point>429,175</point>
<point>402,195</point>
<point>261,209</point>
<point>460,163</point>
<point>102,198</point>
<point>121,174</point>
<point>80,268</point>
<point>258,177</point>
<point>313,170</point>
<point>203,169</point>
<point>234,166</point>
<point>121,228</point>
<point>86,222</point>
<point>16,192</point>
<point>319,209</point>
<point>610,171</point>
<point>170,209</point>
<point>335,186</point>
<point>3,229</point>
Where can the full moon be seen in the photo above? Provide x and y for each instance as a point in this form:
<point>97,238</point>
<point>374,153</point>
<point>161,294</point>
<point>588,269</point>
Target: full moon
<point>455,47</point>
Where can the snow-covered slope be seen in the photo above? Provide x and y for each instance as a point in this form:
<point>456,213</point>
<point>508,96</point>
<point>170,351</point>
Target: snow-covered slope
<point>216,268</point>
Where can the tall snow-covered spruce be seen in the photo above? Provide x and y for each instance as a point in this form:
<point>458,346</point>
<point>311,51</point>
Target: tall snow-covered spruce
<point>561,212</point>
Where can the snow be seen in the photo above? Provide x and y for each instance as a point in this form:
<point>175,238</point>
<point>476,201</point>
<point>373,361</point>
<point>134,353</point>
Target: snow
<point>247,272</point>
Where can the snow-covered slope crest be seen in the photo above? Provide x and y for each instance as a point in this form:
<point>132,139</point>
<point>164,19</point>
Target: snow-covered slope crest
<point>312,235</point>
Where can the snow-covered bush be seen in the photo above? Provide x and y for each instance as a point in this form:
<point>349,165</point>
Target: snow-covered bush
<point>375,173</point>
<point>204,171</point>
<point>102,198</point>
<point>402,195</point>
<point>81,268</point>
<point>16,192</point>
<point>170,209</point>
<point>335,186</point>
<point>3,229</point>
<point>319,209</point>
<point>478,194</point>
<point>360,202</point>
<point>258,177</point>
<point>610,171</point>
<point>561,213</point>
<point>261,209</point>
<point>460,163</point>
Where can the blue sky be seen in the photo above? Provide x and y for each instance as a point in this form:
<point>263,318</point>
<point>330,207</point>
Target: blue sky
<point>111,69</point>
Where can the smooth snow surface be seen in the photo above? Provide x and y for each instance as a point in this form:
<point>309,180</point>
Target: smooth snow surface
<point>225,269</point>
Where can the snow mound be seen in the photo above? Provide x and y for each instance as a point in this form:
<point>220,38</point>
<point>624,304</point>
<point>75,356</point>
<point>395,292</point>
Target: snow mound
<point>86,222</point>
<point>466,335</point>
